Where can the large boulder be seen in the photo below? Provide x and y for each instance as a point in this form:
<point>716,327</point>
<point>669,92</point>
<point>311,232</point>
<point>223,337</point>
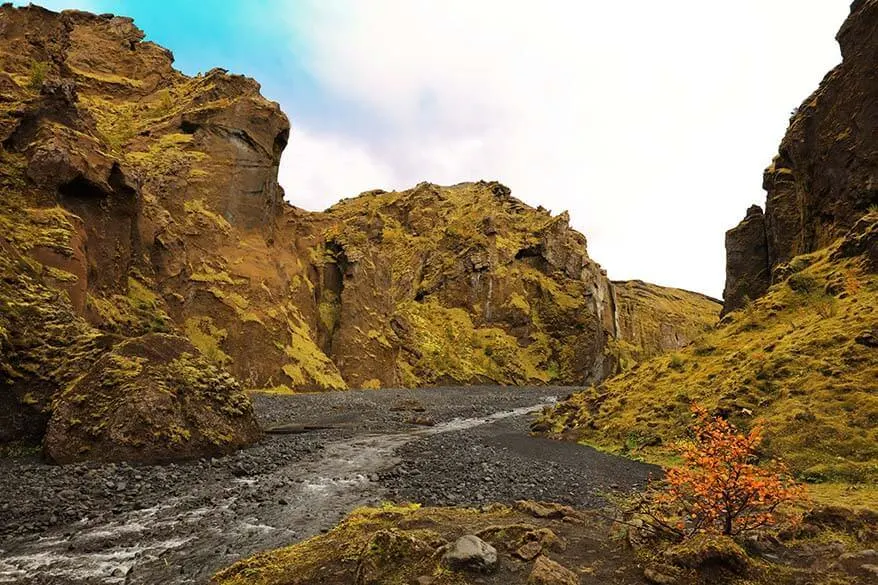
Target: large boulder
<point>548,572</point>
<point>150,399</point>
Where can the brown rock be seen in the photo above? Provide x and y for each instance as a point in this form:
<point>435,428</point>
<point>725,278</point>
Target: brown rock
<point>529,550</point>
<point>545,509</point>
<point>748,272</point>
<point>547,572</point>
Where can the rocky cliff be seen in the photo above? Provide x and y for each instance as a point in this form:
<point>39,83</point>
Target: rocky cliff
<point>823,178</point>
<point>801,356</point>
<point>146,248</point>
<point>142,222</point>
<point>653,319</point>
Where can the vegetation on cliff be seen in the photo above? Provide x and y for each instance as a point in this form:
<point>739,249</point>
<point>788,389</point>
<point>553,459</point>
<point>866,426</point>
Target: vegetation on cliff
<point>653,319</point>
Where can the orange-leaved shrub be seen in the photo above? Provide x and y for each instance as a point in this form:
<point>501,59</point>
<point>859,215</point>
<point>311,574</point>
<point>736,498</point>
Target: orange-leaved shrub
<point>721,487</point>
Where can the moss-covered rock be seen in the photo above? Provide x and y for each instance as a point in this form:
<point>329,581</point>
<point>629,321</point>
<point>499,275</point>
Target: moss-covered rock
<point>653,320</point>
<point>708,551</point>
<point>151,398</point>
<point>45,346</point>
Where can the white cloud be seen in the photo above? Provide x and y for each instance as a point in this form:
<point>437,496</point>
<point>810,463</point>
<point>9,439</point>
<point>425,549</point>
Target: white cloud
<point>317,170</point>
<point>650,121</point>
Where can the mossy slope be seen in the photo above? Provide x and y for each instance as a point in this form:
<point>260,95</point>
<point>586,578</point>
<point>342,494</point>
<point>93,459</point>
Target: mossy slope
<point>404,545</point>
<point>802,359</point>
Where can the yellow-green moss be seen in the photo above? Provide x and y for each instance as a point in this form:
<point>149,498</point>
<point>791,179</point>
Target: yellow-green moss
<point>309,366</point>
<point>209,274</point>
<point>450,346</point>
<point>207,338</point>
<point>135,313</point>
<point>48,227</point>
<point>105,77</point>
<point>169,155</point>
<point>197,207</point>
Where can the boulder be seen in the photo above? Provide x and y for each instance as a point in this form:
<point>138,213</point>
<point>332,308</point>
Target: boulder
<point>150,399</point>
<point>708,551</point>
<point>471,553</point>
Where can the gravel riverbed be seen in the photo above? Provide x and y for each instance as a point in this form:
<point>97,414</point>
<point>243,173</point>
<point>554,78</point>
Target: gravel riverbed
<point>179,523</point>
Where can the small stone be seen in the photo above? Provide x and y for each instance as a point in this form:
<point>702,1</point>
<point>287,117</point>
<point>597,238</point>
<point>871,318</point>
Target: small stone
<point>529,550</point>
<point>471,553</point>
<point>547,572</point>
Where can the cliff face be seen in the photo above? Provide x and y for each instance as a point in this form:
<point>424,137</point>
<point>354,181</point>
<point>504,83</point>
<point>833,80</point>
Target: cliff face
<point>460,284</point>
<point>138,203</point>
<point>824,176</point>
<point>105,209</point>
<point>653,320</point>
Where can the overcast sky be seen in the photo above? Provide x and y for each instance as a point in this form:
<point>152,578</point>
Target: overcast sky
<point>651,122</point>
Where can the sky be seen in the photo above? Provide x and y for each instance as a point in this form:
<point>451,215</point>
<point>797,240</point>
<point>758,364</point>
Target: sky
<point>651,122</point>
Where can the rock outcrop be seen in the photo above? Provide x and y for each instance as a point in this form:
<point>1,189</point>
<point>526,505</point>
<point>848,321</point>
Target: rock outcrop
<point>461,284</point>
<point>823,179</point>
<point>151,398</point>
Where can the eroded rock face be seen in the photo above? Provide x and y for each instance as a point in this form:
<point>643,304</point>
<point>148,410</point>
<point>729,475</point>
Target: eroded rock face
<point>655,319</point>
<point>461,284</point>
<point>823,179</point>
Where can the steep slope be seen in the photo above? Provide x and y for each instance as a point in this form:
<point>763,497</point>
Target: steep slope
<point>802,354</point>
<point>653,319</point>
<point>802,359</point>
